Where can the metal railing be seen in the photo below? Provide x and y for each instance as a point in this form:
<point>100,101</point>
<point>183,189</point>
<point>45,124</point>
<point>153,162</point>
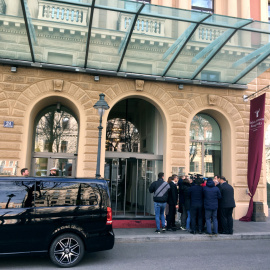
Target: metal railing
<point>58,12</point>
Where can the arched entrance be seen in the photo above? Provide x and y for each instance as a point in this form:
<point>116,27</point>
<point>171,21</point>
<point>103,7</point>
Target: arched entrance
<point>55,142</point>
<point>134,156</point>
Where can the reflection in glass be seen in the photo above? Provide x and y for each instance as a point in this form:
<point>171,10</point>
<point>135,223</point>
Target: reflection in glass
<point>205,146</point>
<point>51,194</point>
<point>204,127</point>
<point>203,5</point>
<point>212,159</point>
<point>56,131</point>
<point>195,158</point>
<point>122,136</point>
<point>134,125</point>
<point>63,166</point>
<point>16,194</point>
<point>8,167</point>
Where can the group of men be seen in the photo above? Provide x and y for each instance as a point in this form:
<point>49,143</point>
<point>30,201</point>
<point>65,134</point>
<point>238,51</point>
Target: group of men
<point>201,202</point>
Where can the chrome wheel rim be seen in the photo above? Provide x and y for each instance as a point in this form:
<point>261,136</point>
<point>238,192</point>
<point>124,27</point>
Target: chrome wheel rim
<point>67,251</point>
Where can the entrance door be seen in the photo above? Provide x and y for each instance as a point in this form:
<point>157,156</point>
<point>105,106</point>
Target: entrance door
<point>129,181</point>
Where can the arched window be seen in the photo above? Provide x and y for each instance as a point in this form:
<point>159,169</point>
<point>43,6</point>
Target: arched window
<point>55,141</point>
<point>205,146</point>
<point>203,5</point>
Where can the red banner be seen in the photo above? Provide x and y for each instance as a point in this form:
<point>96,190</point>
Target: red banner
<point>255,149</point>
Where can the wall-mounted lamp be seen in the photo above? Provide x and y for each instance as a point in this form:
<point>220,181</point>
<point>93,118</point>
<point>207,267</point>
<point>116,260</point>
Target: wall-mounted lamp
<point>245,98</point>
<point>180,86</point>
<point>13,69</point>
<point>96,78</point>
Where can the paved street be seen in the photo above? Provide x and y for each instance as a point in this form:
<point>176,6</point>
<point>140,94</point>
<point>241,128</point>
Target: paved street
<point>229,254</point>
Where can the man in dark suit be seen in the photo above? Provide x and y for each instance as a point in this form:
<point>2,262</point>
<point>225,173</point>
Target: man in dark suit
<point>226,205</point>
<point>172,203</point>
<point>196,206</point>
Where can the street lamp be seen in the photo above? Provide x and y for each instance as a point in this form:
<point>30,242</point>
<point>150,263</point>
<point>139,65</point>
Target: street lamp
<point>101,106</point>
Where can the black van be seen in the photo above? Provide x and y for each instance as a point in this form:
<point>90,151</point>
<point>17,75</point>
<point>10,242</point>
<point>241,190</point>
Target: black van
<point>61,216</point>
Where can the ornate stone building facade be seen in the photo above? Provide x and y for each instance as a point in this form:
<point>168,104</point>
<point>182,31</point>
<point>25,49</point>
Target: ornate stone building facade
<point>162,112</point>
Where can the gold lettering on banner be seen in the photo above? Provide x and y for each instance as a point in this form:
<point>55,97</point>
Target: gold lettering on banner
<point>58,85</point>
<point>139,84</point>
<point>212,99</point>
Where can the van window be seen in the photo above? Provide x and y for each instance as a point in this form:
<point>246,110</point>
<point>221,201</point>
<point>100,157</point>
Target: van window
<point>16,194</point>
<point>90,194</point>
<point>50,194</point>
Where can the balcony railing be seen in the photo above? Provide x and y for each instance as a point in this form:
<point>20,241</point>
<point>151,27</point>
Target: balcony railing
<point>210,33</point>
<point>144,25</point>
<point>58,12</point>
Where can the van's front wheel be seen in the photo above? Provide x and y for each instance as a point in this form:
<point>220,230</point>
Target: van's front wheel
<point>66,250</point>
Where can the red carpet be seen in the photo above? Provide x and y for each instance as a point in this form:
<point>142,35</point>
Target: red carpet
<point>121,224</point>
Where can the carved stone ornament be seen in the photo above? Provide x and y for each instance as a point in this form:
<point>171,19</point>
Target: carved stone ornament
<point>58,85</point>
<point>212,99</point>
<point>139,85</point>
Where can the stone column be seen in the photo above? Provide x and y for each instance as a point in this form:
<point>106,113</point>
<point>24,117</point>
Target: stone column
<point>245,9</point>
<point>264,10</point>
<point>13,8</point>
<point>232,8</point>
<point>186,4</point>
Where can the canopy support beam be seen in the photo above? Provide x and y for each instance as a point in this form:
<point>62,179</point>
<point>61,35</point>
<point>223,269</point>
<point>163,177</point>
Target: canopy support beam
<point>184,41</point>
<point>128,37</point>
<point>255,63</point>
<point>217,48</point>
<point>28,30</point>
<point>89,33</point>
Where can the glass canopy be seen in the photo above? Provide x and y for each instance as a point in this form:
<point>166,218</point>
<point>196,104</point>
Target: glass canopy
<point>133,39</point>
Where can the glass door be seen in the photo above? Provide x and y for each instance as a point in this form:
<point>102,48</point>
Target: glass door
<point>205,158</point>
<point>129,181</point>
<point>212,159</point>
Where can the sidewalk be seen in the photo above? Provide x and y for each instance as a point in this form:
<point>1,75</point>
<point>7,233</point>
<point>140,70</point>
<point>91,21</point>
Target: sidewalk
<point>242,231</point>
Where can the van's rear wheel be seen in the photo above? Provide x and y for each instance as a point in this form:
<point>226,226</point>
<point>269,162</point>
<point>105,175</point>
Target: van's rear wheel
<point>66,250</point>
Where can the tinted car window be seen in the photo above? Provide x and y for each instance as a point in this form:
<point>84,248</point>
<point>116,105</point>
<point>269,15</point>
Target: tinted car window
<point>17,194</point>
<point>90,194</point>
<point>49,194</point>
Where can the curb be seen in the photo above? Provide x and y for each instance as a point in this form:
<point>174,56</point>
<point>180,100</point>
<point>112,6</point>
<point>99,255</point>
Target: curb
<point>188,238</point>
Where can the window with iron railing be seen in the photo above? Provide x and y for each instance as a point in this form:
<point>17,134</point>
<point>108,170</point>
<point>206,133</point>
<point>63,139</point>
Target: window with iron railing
<point>203,5</point>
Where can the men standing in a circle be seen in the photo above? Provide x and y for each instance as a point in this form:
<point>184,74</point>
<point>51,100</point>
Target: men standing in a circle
<point>53,171</point>
<point>160,189</point>
<point>24,172</point>
<point>226,204</point>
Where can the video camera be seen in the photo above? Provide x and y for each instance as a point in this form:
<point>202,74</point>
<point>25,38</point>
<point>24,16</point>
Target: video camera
<point>197,176</point>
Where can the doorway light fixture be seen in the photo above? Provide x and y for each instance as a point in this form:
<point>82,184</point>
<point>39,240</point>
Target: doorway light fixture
<point>13,69</point>
<point>180,86</point>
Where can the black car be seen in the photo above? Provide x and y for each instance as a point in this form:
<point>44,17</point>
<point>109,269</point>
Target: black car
<point>61,216</point>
